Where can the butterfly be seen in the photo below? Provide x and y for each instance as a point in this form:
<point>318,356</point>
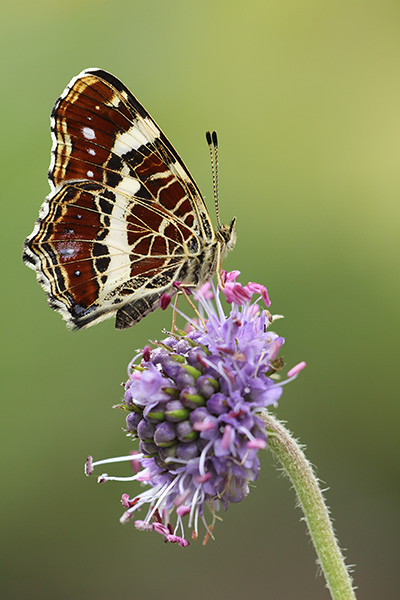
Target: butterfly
<point>124,220</point>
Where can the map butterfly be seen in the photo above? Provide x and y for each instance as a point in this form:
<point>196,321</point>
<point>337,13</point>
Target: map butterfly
<point>124,220</point>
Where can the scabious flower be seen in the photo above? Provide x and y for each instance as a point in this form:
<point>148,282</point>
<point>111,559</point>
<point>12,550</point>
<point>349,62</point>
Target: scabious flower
<point>193,401</point>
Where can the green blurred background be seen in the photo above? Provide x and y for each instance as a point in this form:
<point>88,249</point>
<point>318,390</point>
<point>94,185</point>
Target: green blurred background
<point>305,96</point>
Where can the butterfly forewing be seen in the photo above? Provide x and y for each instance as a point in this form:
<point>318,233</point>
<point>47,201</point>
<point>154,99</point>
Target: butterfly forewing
<point>124,219</point>
<point>102,133</point>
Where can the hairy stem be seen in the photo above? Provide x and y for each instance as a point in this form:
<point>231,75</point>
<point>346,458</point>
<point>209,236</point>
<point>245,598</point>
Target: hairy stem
<point>316,513</point>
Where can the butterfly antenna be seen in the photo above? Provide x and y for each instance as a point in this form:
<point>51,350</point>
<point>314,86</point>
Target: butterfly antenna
<point>212,142</point>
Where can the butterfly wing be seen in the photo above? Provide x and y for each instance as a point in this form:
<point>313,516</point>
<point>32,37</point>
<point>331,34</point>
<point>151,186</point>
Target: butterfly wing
<point>124,219</point>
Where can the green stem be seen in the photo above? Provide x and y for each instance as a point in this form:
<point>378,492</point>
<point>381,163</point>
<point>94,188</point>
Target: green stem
<point>299,471</point>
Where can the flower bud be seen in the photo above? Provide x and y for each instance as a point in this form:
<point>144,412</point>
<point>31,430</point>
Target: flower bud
<point>146,430</point>
<point>207,386</point>
<point>164,434</point>
<point>132,420</point>
<point>185,432</point>
<point>148,448</point>
<point>187,451</point>
<point>190,398</point>
<point>175,411</point>
<point>217,404</point>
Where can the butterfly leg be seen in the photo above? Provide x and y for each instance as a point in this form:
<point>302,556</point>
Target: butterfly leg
<point>173,326</point>
<point>184,292</point>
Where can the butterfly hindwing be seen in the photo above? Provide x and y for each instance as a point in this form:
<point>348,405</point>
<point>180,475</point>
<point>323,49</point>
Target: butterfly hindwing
<point>97,249</point>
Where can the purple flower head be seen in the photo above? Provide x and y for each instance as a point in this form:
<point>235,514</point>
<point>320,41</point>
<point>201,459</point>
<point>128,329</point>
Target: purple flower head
<point>193,402</point>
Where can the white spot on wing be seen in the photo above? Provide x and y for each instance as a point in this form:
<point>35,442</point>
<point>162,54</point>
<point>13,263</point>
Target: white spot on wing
<point>89,173</point>
<point>128,185</point>
<point>67,249</point>
<point>141,133</point>
<point>88,133</point>
<point>130,140</point>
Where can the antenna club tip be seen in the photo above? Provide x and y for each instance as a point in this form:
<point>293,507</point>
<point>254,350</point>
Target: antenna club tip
<point>214,138</point>
<point>208,138</point>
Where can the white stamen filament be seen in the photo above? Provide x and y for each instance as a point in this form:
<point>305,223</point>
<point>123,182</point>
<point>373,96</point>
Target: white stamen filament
<point>164,494</point>
<point>193,506</point>
<point>221,372</point>
<point>117,459</point>
<point>171,459</point>
<point>147,497</point>
<point>203,456</point>
<point>106,477</point>
<point>205,305</point>
<point>131,364</point>
<point>281,383</point>
<point>184,490</point>
<point>207,526</point>
<point>220,309</point>
<point>260,362</point>
<point>246,432</point>
<point>196,520</point>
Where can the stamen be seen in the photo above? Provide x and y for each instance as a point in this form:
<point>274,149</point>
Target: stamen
<point>174,459</point>
<point>226,437</point>
<point>196,520</point>
<point>146,353</point>
<point>130,367</point>
<point>193,506</point>
<point>141,525</point>
<point>297,368</point>
<point>105,477</point>
<point>182,510</point>
<point>127,516</point>
<point>203,457</point>
<point>257,444</point>
<point>165,301</point>
<point>203,478</point>
<point>164,494</point>
<point>208,535</point>
<point>160,528</point>
<point>89,465</point>
<point>183,496</point>
<point>220,309</point>
<point>126,501</point>
<point>203,426</point>
<point>116,459</point>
